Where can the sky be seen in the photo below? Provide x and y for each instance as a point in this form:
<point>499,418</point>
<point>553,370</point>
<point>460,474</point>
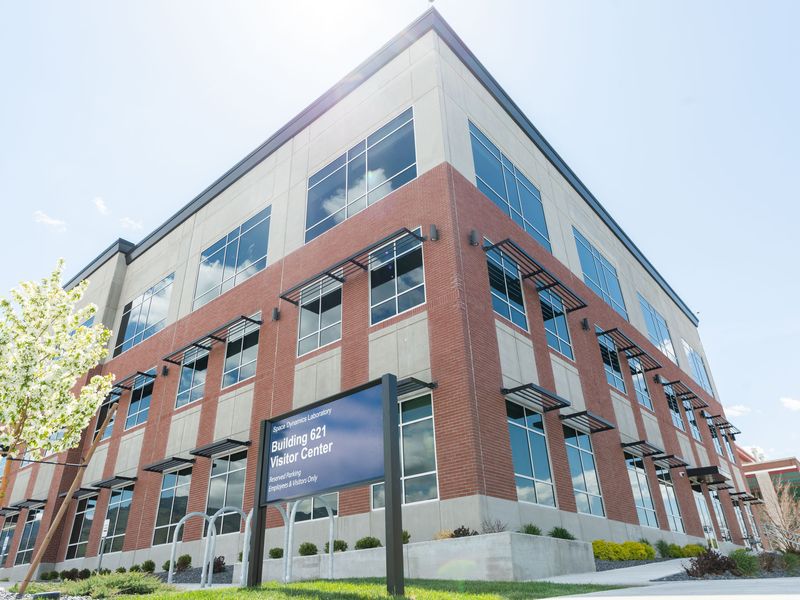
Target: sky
<point>681,117</point>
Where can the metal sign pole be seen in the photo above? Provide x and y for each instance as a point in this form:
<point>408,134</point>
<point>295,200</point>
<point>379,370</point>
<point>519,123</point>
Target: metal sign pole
<point>393,513</point>
<point>254,575</point>
<point>103,535</point>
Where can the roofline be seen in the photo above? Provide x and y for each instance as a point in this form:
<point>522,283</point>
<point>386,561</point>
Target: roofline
<point>429,20</point>
<point>121,245</point>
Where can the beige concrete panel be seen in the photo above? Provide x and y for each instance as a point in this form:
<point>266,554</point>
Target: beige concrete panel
<point>402,348</point>
<point>293,234</point>
<point>517,362</point>
<point>94,470</point>
<point>20,487</point>
<point>568,382</point>
<point>233,414</point>
<point>130,449</point>
<point>429,131</point>
<point>652,429</point>
<point>702,455</point>
<point>626,423</point>
<point>44,480</point>
<point>687,453</point>
<point>183,432</point>
<point>317,377</point>
<point>741,486</point>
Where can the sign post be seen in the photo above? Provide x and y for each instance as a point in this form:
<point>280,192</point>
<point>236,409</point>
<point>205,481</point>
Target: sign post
<point>347,440</point>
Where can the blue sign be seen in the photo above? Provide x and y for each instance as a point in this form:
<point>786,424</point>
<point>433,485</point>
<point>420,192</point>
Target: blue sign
<point>334,444</point>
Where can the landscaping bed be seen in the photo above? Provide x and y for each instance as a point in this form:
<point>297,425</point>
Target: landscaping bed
<point>192,575</point>
<point>609,565</point>
<point>739,564</point>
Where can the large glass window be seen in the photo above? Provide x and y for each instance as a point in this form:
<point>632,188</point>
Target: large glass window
<point>722,522</point>
<point>101,417</point>
<point>417,453</point>
<point>530,456</point>
<point>611,364</point>
<point>657,329</point>
<point>141,394</point>
<point>640,383</point>
<point>320,317</point>
<point>119,510</point>
<point>670,499</point>
<point>145,315</point>
<point>6,535</point>
<point>240,354</point>
<point>555,323</point>
<point>674,408</point>
<point>728,447</point>
<point>81,527</point>
<point>698,366</point>
<point>740,521</point>
<point>193,377</point>
<point>690,416</point>
<point>314,508</point>
<point>714,435</point>
<point>28,539</point>
<point>396,279</point>
<point>642,498</point>
<point>226,488</point>
<point>505,284</point>
<point>583,469</point>
<point>508,188</point>
<point>233,258</point>
<point>599,274</point>
<point>367,172</point>
<point>172,504</point>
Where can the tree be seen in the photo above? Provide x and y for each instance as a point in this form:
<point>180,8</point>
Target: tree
<point>783,516</point>
<point>46,348</point>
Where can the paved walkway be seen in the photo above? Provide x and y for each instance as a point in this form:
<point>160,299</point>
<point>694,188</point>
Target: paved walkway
<point>641,575</point>
<point>784,588</point>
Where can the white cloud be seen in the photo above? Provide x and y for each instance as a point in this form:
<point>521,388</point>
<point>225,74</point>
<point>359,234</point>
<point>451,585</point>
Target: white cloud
<point>128,223</point>
<point>48,221</point>
<point>737,410</point>
<point>791,404</point>
<point>100,205</point>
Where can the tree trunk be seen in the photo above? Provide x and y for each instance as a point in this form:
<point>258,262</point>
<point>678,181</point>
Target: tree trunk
<point>63,508</point>
<point>4,482</point>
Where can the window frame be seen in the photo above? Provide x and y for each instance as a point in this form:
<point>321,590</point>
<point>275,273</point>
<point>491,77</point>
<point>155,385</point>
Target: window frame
<point>691,418</point>
<point>615,378</point>
<point>639,473</point>
<point>314,507</point>
<point>554,301</point>
<point>139,383</point>
<point>654,322</point>
<point>418,245</point>
<point>195,355</point>
<point>172,526</point>
<point>639,379</point>
<point>533,478</point>
<point>10,525</point>
<point>719,513</point>
<point>600,265</point>
<point>581,456</point>
<point>697,365</point>
<point>503,264</point>
<point>150,329</point>
<point>669,498</point>
<point>246,330</point>
<point>226,474</point>
<point>30,531</point>
<point>80,546</point>
<point>110,537</point>
<point>321,290</point>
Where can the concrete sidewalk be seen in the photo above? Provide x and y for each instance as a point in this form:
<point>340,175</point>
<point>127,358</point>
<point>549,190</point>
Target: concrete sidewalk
<point>641,575</point>
<point>784,588</point>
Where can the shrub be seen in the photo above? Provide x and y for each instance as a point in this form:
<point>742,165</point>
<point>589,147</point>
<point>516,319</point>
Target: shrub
<point>338,546</point>
<point>275,552</point>
<point>368,542</point>
<point>135,569</point>
<point>406,536</point>
<point>493,526</point>
<point>604,550</point>
<point>184,562</point>
<point>149,566</point>
<point>165,566</point>
<point>73,574</point>
<point>104,572</point>
<point>239,557</point>
<point>105,586</point>
<point>561,533</point>
<point>710,562</point>
<point>44,576</point>
<point>747,563</point>
<point>692,550</point>
<point>219,565</point>
<point>463,531</point>
<point>121,570</point>
<point>791,562</point>
<point>307,549</point>
<point>663,548</point>
<point>675,551</point>
<point>531,529</point>
<point>770,561</point>
<point>443,534</point>
<point>84,574</point>
<point>53,575</point>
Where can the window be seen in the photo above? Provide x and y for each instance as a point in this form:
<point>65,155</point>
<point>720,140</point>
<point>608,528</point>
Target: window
<point>642,498</point>
<point>396,279</point>
<point>233,258</point>
<point>740,521</point>
<point>640,383</point>
<point>81,527</point>
<point>529,455</point>
<point>171,504</point>
<point>698,366</point>
<point>193,377</point>
<point>722,522</point>
<point>240,354</point>
<point>141,395</point>
<point>728,447</point>
<point>668,496</point>
<point>674,408</point>
<point>6,535</point>
<point>610,356</point>
<point>119,509</point>
<point>507,187</point>
<point>657,329</point>
<point>366,173</point>
<point>714,436</point>
<point>599,274</point>
<point>555,323</point>
<point>320,317</point>
<point>582,467</point>
<point>417,454</point>
<point>29,533</point>
<point>145,315</point>
<point>226,488</point>
<point>101,417</point>
<point>505,283</point>
<point>687,408</point>
<point>314,508</point>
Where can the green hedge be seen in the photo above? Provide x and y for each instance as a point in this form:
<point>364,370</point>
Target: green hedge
<point>604,550</point>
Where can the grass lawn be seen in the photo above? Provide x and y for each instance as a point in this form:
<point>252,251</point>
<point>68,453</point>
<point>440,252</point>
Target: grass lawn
<point>367,589</point>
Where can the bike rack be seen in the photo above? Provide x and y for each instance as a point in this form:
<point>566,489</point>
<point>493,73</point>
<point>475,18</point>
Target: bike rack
<point>211,542</point>
<point>289,534</point>
<point>173,550</point>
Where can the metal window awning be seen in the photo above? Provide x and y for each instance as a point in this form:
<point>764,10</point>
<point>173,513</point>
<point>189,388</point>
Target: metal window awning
<point>29,503</point>
<point>336,274</point>
<point>219,447</point>
<point>742,497</point>
<point>531,269</point>
<point>631,348</point>
<point>709,475</point>
<point>641,448</point>
<point>113,482</point>
<point>754,501</point>
<point>586,421</point>
<point>127,383</point>
<point>684,392</point>
<point>669,461</point>
<point>205,342</point>
<point>720,486</point>
<point>168,464</point>
<point>409,385</point>
<point>7,511</point>
<point>722,424</point>
<point>80,493</point>
<point>531,393</point>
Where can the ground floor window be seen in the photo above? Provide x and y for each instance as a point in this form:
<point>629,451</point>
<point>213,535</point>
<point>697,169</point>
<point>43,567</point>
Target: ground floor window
<point>226,488</point>
<point>6,535</point>
<point>642,498</point>
<point>740,521</point>
<point>171,504</point>
<point>81,526</point>
<point>119,509</point>
<point>529,455</point>
<point>314,508</point>
<point>583,469</point>
<point>29,533</point>
<point>668,496</point>
<point>722,522</point>
<point>417,453</point>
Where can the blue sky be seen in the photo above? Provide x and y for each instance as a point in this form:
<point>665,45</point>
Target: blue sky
<point>681,117</point>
